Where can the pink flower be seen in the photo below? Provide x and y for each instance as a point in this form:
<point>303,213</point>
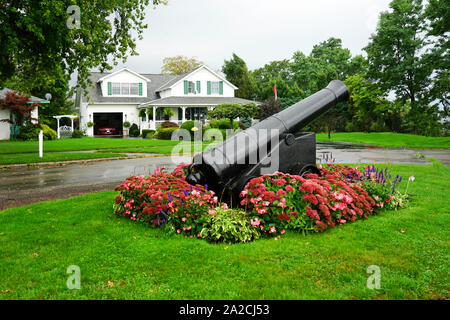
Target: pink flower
<point>376,198</point>
<point>211,211</point>
<point>338,196</point>
<point>255,222</point>
<point>348,199</point>
<point>282,203</point>
<point>273,229</point>
<point>342,221</point>
<point>282,231</point>
<point>183,219</point>
<point>178,231</point>
<point>224,206</point>
<point>189,228</point>
<point>215,199</point>
<point>244,193</point>
<point>289,188</point>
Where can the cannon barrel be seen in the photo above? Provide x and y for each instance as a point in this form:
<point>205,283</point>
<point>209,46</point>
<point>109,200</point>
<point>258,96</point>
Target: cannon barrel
<point>234,166</point>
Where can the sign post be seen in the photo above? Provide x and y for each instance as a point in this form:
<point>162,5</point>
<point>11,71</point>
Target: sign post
<point>41,147</point>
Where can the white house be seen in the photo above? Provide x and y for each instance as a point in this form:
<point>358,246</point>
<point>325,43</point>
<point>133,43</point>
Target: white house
<point>7,128</point>
<point>119,97</point>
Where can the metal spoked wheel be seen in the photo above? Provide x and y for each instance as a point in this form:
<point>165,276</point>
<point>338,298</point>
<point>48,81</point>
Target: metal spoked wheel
<point>308,169</point>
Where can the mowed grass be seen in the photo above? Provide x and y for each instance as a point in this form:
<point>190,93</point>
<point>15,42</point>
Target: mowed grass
<point>120,259</point>
<point>29,158</point>
<point>180,148</point>
<point>389,139</point>
<point>85,143</point>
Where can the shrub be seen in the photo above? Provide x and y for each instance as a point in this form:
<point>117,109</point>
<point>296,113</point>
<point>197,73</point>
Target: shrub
<point>165,133</point>
<point>126,124</point>
<point>147,133</point>
<point>49,133</point>
<point>168,124</point>
<point>77,133</point>
<point>245,123</point>
<point>134,130</point>
<point>29,132</point>
<point>91,124</point>
<point>313,204</point>
<point>223,124</point>
<point>229,225</point>
<point>163,198</point>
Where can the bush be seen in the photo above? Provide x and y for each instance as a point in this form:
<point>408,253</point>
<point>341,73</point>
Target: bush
<point>147,133</point>
<point>280,201</point>
<point>188,125</point>
<point>134,130</point>
<point>162,199</point>
<point>77,133</point>
<point>223,124</point>
<point>126,124</point>
<point>245,123</point>
<point>230,226</point>
<point>168,124</point>
<point>165,133</point>
<point>29,132</point>
<point>49,133</point>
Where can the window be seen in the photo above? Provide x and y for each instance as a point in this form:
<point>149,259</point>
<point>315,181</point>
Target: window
<point>125,89</point>
<point>115,88</point>
<point>191,87</point>
<point>215,85</point>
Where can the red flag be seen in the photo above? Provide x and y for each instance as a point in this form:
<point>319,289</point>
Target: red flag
<point>275,92</point>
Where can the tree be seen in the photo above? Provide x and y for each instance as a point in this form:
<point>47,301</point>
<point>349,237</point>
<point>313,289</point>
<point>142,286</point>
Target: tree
<point>237,73</point>
<point>268,108</point>
<point>233,111</point>
<point>41,39</point>
<point>396,61</point>
<point>438,15</point>
<point>19,107</point>
<point>179,65</point>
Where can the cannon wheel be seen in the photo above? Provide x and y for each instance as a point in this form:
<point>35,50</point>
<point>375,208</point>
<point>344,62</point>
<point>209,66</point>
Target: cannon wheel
<point>309,168</point>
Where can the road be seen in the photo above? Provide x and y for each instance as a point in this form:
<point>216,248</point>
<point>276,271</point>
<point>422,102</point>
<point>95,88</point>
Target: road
<point>21,186</point>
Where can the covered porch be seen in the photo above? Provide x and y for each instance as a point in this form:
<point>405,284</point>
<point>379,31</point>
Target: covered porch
<point>151,117</point>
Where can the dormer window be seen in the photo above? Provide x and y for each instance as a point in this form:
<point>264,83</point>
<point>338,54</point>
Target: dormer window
<point>191,87</point>
<point>124,89</point>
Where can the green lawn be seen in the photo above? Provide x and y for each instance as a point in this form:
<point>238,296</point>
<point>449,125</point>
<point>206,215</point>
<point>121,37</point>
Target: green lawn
<point>162,150</point>
<point>28,158</point>
<point>411,246</point>
<point>389,139</point>
<point>85,143</point>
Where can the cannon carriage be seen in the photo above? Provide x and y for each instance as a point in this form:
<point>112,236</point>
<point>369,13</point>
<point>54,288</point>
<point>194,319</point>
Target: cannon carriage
<point>271,145</point>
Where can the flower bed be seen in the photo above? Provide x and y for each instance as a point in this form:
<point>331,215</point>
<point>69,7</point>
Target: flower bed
<point>273,203</point>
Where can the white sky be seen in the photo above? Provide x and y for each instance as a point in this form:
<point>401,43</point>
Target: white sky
<point>259,31</point>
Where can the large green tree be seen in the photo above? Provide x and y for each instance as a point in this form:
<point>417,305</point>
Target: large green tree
<point>395,55</point>
<point>237,73</point>
<point>46,39</point>
<point>438,15</point>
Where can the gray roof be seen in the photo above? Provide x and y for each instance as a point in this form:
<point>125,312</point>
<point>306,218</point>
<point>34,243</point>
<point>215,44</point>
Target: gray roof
<point>32,98</point>
<point>156,81</point>
<point>175,80</point>
<point>201,100</point>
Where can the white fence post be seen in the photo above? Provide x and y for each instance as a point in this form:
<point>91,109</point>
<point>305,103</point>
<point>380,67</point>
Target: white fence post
<point>41,142</point>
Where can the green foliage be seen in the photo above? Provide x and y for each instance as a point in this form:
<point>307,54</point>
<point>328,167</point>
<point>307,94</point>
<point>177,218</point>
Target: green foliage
<point>223,124</point>
<point>134,130</point>
<point>233,111</point>
<point>179,65</point>
<point>126,124</point>
<point>147,133</point>
<point>268,108</point>
<point>49,133</point>
<point>77,133</point>
<point>29,132</point>
<point>395,55</point>
<point>168,112</point>
<point>90,124</point>
<point>142,113</point>
<point>237,73</point>
<point>229,226</point>
<point>38,46</point>
<point>164,133</point>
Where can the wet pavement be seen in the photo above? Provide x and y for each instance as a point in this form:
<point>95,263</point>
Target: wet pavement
<point>20,186</point>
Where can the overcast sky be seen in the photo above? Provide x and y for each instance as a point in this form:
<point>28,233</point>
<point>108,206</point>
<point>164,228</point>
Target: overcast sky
<point>259,31</point>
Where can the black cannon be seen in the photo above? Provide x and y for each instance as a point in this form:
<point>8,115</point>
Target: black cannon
<point>269,146</point>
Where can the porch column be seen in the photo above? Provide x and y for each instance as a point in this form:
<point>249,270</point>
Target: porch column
<point>183,119</point>
<point>153,126</point>
<point>72,123</point>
